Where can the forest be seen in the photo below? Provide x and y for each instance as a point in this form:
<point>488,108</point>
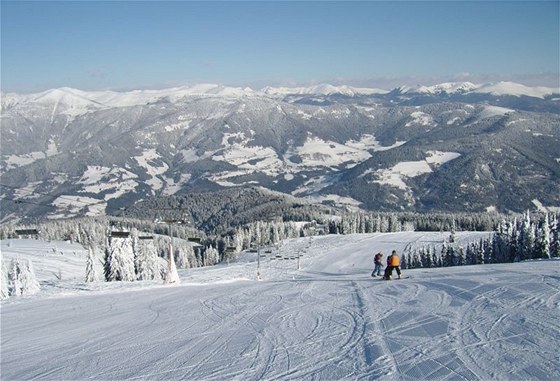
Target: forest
<point>133,249</point>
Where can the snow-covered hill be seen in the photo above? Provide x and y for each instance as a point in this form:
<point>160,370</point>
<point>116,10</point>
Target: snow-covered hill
<point>499,88</point>
<point>329,320</point>
<point>67,152</point>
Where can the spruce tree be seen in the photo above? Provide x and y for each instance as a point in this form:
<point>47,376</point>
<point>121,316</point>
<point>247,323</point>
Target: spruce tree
<point>542,241</point>
<point>554,236</point>
<point>460,257</point>
<point>91,274</point>
<point>146,261</point>
<point>21,278</point>
<point>405,262</point>
<point>119,260</point>
<point>3,280</point>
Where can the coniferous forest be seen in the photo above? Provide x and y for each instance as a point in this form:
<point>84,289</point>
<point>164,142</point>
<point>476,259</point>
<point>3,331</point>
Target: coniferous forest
<point>135,248</point>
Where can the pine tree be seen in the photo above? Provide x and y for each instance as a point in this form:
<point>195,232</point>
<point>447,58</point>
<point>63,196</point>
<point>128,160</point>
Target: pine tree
<point>554,237</point>
<point>435,259</point>
<point>119,260</point>
<point>428,261</point>
<point>405,262</point>
<point>460,258</point>
<point>542,240</point>
<point>146,261</point>
<point>181,257</point>
<point>487,250</point>
<point>445,258</point>
<point>211,256</point>
<point>416,263</point>
<point>450,258</point>
<point>527,238</point>
<point>470,258</point>
<point>3,280</point>
<point>109,265</point>
<point>91,274</point>
<point>452,233</point>
<point>22,280</point>
<point>424,257</point>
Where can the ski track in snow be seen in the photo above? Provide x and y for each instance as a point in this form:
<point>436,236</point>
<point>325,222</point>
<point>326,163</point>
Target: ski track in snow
<point>329,321</point>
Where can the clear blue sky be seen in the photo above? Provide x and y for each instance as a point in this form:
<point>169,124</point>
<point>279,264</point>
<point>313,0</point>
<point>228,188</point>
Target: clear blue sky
<point>128,45</point>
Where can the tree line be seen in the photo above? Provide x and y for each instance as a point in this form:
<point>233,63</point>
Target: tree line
<point>518,239</point>
<point>143,254</point>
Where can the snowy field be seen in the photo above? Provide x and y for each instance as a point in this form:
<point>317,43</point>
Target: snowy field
<point>328,321</point>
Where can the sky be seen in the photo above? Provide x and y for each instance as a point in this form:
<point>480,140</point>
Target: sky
<point>124,45</point>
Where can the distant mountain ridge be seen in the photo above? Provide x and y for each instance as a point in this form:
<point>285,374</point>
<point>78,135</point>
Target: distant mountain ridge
<point>450,147</point>
<point>142,97</point>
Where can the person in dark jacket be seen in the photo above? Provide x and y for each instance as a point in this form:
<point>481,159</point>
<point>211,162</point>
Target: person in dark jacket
<point>377,264</point>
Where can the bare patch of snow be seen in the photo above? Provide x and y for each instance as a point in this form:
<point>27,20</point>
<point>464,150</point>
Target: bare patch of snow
<point>172,187</point>
<point>394,176</point>
<point>492,111</point>
<point>420,118</point>
<point>148,160</point>
<point>438,158</point>
<point>101,179</point>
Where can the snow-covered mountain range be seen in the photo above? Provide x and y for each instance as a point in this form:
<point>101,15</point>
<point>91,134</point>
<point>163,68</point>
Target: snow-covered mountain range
<point>453,146</point>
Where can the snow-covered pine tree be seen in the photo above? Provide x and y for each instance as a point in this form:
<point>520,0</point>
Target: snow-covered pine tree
<point>527,238</point>
<point>275,234</point>
<point>445,261</point>
<point>146,261</point>
<point>450,258</point>
<point>542,242</point>
<point>109,269</point>
<point>435,259</point>
<point>126,259</point>
<point>452,233</point>
<point>460,257</point>
<point>211,256</point>
<point>119,260</point>
<point>3,280</point>
<point>405,262</point>
<point>426,258</point>
<point>554,236</point>
<point>487,249</point>
<point>394,223</point>
<point>181,258</point>
<point>22,279</point>
<point>470,258</point>
<point>91,273</point>
<point>414,261</point>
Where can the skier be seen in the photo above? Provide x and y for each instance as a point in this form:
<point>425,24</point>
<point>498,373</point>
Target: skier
<point>393,262</point>
<point>377,262</point>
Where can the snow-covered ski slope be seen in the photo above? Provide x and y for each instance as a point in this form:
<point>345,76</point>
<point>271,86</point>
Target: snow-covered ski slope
<point>328,321</point>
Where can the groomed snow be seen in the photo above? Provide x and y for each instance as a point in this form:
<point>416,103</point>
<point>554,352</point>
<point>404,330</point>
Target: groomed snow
<point>328,321</point>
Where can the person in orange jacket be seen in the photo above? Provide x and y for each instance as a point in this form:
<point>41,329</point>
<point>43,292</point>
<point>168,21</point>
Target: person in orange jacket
<point>393,263</point>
